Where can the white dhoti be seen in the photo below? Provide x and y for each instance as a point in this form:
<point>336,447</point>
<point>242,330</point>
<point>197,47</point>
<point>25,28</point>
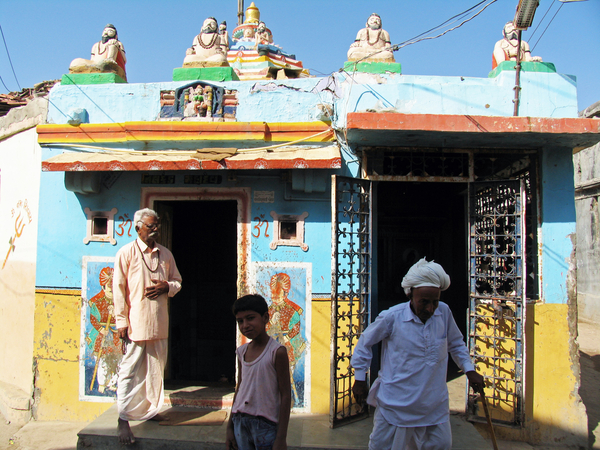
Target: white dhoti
<point>386,436</point>
<point>140,390</point>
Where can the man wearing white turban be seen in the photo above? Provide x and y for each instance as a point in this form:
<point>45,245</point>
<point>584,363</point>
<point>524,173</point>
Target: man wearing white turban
<point>410,392</point>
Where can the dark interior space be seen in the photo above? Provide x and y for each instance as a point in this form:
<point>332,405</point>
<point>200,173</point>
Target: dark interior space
<point>202,328</point>
<point>416,220</point>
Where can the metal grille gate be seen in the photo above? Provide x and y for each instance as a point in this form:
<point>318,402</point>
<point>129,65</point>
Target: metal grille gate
<point>350,289</point>
<point>497,296</point>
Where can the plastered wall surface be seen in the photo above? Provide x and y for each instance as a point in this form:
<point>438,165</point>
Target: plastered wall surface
<point>321,345</point>
<point>587,176</point>
<point>558,223</point>
<point>19,196</point>
<point>554,413</point>
<point>56,360</point>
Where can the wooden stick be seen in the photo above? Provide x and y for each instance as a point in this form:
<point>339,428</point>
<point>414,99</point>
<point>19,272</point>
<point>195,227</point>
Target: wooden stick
<point>487,416</point>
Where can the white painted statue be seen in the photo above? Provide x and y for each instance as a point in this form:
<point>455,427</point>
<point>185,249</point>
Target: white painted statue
<point>262,36</point>
<point>372,43</point>
<point>506,48</point>
<point>207,49</point>
<point>224,36</point>
<point>108,56</point>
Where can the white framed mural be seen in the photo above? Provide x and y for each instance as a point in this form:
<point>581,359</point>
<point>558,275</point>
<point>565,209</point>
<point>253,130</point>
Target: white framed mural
<point>287,287</point>
<point>100,347</point>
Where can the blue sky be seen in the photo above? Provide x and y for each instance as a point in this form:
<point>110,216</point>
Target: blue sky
<point>44,37</point>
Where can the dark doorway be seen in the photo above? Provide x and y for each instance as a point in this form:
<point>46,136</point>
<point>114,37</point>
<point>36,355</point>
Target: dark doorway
<point>416,220</point>
<point>202,328</point>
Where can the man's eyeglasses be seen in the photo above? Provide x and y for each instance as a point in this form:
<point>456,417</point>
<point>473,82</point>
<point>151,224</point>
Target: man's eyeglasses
<point>153,226</point>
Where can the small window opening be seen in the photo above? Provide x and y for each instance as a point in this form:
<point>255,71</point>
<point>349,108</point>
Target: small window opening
<point>100,226</point>
<point>288,230</point>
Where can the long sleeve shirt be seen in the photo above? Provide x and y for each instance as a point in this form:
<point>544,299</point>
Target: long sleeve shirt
<point>136,266</point>
<point>411,386</point>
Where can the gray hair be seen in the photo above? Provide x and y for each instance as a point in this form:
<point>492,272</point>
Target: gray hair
<point>146,212</point>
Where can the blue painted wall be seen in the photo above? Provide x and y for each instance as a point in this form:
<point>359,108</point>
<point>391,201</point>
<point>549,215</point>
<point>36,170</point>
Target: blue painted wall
<point>62,248</point>
<point>544,95</point>
<point>558,222</point>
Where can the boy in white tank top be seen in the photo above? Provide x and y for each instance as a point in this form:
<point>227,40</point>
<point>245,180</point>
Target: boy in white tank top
<point>261,406</point>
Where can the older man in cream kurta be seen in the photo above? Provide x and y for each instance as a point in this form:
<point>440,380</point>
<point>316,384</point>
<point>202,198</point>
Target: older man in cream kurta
<point>145,277</point>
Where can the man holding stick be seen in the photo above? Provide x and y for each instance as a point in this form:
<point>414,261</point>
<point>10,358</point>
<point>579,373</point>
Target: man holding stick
<point>410,391</point>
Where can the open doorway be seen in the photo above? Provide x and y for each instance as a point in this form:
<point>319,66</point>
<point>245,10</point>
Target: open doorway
<point>203,239</point>
<point>416,220</point>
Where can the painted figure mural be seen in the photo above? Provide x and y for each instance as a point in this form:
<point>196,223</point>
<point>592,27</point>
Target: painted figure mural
<point>285,325</point>
<point>108,56</point>
<point>372,43</point>
<point>506,48</point>
<point>103,344</point>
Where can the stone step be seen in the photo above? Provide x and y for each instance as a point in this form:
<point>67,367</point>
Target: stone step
<point>203,396</point>
<point>306,431</point>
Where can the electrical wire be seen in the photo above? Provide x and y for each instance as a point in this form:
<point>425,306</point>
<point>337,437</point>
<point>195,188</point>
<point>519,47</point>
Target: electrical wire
<point>415,39</point>
<point>453,17</point>
<point>541,21</point>
<point>557,11</point>
<point>9,60</point>
<point>4,84</point>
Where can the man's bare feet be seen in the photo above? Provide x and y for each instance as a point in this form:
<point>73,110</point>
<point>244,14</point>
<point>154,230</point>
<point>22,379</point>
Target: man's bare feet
<point>160,417</point>
<point>125,434</point>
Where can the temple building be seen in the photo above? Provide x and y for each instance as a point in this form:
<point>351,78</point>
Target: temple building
<point>307,190</point>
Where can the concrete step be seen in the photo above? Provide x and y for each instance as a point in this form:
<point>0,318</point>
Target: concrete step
<point>306,431</point>
<point>201,396</point>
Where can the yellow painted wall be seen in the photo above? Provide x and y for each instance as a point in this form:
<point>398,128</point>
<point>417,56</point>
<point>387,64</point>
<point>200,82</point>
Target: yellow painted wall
<point>554,412</point>
<point>56,357</point>
<point>320,356</point>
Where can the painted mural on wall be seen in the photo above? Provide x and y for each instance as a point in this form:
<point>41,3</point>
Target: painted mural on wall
<point>22,216</point>
<point>287,288</point>
<point>100,352</point>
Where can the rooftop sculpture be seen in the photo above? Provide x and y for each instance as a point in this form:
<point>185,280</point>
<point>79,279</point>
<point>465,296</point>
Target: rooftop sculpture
<point>108,56</point>
<point>372,43</point>
<point>254,55</point>
<point>207,48</point>
<point>506,48</point>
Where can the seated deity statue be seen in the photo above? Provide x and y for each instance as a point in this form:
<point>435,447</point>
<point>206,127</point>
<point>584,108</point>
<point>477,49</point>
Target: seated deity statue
<point>262,35</point>
<point>108,56</point>
<point>372,43</point>
<point>506,48</point>
<point>207,49</point>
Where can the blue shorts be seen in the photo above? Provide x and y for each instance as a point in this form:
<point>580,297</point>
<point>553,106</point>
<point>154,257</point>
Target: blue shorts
<point>253,432</point>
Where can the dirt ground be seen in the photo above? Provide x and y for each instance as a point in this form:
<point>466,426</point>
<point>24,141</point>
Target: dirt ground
<point>589,390</point>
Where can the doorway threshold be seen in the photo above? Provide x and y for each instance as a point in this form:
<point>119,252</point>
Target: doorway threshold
<point>199,395</point>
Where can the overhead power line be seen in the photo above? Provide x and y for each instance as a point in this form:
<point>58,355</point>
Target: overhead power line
<point>547,11</point>
<point>9,60</point>
<point>4,84</point>
<point>540,38</point>
<point>454,18</point>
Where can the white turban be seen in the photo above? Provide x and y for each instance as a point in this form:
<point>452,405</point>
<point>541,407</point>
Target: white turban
<point>425,273</point>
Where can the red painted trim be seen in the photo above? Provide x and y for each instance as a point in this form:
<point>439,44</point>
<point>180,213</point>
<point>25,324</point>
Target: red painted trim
<point>471,124</point>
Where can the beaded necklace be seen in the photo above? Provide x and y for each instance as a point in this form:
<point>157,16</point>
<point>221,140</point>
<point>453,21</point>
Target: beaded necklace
<point>369,37</point>
<point>211,43</point>
<point>144,259</point>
